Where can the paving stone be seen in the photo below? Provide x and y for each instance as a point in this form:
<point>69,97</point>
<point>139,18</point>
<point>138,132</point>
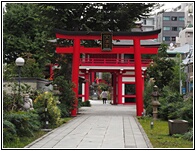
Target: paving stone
<point>98,126</point>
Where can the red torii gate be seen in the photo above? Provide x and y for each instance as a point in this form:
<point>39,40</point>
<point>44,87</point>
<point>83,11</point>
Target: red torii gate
<point>136,49</point>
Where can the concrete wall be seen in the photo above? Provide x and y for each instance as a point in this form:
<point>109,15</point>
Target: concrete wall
<point>35,83</point>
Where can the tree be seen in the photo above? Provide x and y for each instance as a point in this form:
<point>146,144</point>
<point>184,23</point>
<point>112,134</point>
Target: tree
<point>162,68</point>
<point>96,16</point>
<point>178,75</point>
<point>24,32</point>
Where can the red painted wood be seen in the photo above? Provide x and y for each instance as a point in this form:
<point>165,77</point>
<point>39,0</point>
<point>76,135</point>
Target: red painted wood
<point>111,62</point>
<point>75,73</point>
<point>92,77</point>
<point>120,89</point>
<point>98,37</point>
<point>138,77</point>
<point>129,96</point>
<point>114,89</point>
<point>115,50</point>
<point>86,86</point>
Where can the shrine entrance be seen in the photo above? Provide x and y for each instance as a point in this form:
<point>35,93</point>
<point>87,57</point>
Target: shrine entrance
<point>123,61</point>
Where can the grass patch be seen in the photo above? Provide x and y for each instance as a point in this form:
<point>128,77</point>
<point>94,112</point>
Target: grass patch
<point>65,120</point>
<point>159,135</point>
<point>21,142</point>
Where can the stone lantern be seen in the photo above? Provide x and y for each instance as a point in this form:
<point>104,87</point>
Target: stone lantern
<point>155,103</point>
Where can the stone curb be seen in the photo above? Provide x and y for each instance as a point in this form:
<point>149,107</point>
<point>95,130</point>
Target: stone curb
<point>42,137</point>
<point>144,134</point>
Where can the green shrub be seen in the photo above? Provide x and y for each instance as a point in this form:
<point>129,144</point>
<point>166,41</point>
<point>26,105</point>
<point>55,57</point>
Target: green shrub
<point>67,95</point>
<point>79,103</point>
<point>147,98</point>
<point>171,103</point>
<point>86,103</point>
<point>186,112</point>
<point>188,135</point>
<point>25,122</point>
<point>65,110</point>
<point>9,131</point>
<point>53,113</point>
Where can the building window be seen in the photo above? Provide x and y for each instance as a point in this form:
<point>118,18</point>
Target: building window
<point>173,18</point>
<point>166,28</point>
<point>149,22</point>
<point>166,18</point>
<point>129,89</point>
<point>181,18</point>
<point>166,38</point>
<point>174,28</point>
<point>173,38</point>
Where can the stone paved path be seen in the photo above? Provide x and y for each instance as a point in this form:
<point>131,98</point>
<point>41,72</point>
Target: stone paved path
<point>98,126</point>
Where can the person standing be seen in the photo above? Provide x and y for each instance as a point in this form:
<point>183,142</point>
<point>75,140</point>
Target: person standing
<point>104,96</point>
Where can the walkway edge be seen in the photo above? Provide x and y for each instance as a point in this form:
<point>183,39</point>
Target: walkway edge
<point>45,135</point>
<point>148,143</point>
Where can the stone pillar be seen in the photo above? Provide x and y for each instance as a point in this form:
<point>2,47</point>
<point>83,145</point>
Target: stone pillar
<point>155,103</point>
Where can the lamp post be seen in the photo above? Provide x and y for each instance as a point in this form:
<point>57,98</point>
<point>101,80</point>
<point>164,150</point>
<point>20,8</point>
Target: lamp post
<point>19,62</point>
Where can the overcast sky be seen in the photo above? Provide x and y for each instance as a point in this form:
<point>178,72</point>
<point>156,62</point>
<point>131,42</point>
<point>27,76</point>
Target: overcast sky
<point>170,4</point>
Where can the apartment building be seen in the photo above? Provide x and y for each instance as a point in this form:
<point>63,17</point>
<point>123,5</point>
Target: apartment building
<point>148,24</point>
<point>171,24</point>
<point>186,34</point>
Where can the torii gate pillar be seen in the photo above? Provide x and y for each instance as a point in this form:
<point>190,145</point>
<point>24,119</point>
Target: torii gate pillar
<point>138,77</point>
<point>75,73</point>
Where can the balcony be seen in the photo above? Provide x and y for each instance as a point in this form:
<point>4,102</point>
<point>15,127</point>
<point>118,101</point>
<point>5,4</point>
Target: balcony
<point>112,62</point>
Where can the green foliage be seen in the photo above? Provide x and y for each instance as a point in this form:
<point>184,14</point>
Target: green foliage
<point>53,114</point>
<point>86,103</point>
<point>159,135</point>
<point>171,103</point>
<point>162,68</point>
<point>32,69</point>
<point>95,16</point>
<point>24,31</point>
<point>9,102</point>
<point>166,73</point>
<point>186,112</point>
<point>106,76</point>
<point>148,97</point>
<point>9,131</point>
<point>65,110</point>
<point>9,71</point>
<point>178,74</point>
<point>25,122</point>
<point>103,86</point>
<point>67,96</point>
<point>21,142</point>
<point>189,135</point>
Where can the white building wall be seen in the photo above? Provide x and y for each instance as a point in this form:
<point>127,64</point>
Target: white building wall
<point>128,79</point>
<point>123,93</point>
<point>83,89</point>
